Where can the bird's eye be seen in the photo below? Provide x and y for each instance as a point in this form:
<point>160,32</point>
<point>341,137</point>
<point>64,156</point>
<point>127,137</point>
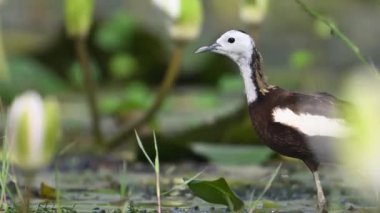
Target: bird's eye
<point>231,40</point>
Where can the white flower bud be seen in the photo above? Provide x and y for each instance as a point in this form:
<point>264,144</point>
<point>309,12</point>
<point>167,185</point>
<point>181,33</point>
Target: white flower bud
<point>171,7</point>
<point>32,131</point>
<point>253,11</point>
<point>185,18</point>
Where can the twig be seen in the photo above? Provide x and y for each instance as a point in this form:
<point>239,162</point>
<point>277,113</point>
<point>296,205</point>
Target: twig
<point>336,32</point>
<point>90,87</point>
<point>166,85</point>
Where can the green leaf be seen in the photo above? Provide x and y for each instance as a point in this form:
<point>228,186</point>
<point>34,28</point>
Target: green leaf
<point>26,74</point>
<point>116,33</point>
<point>217,192</point>
<point>122,66</point>
<point>301,59</point>
<point>75,74</point>
<point>267,186</point>
<point>230,83</point>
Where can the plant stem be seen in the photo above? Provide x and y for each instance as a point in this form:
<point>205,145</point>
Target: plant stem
<point>90,87</point>
<point>4,73</point>
<point>336,32</point>
<point>166,85</point>
<point>157,173</point>
<point>28,191</point>
<point>57,189</point>
<point>267,186</point>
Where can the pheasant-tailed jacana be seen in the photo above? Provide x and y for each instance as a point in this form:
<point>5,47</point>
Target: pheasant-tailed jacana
<point>293,124</point>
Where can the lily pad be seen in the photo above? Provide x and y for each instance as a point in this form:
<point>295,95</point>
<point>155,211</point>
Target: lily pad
<point>233,154</point>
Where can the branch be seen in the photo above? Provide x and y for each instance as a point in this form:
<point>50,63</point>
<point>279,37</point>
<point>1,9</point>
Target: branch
<point>90,87</point>
<point>336,32</point>
<point>166,85</point>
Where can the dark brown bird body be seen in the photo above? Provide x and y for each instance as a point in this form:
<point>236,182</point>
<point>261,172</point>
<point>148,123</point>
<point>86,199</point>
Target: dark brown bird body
<point>303,126</point>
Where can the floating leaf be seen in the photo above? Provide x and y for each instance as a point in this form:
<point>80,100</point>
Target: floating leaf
<point>47,191</point>
<point>217,192</point>
<point>233,154</point>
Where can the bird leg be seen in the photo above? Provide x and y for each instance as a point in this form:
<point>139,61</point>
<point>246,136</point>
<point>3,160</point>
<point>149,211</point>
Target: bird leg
<point>322,207</point>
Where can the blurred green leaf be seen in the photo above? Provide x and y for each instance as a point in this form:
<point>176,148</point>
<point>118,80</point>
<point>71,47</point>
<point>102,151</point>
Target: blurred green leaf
<point>301,59</point>
<point>122,66</point>
<point>136,96</point>
<point>27,74</point>
<point>217,192</point>
<point>206,100</point>
<point>116,33</point>
<point>110,104</point>
<point>230,83</point>
<point>76,75</point>
<point>233,154</point>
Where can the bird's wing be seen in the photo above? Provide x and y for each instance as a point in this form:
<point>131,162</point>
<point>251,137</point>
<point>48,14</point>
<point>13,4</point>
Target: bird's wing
<point>322,104</point>
<point>314,115</point>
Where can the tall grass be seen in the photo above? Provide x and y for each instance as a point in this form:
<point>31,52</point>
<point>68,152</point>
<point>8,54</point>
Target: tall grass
<point>267,186</point>
<point>155,165</point>
<point>4,174</point>
<point>123,184</point>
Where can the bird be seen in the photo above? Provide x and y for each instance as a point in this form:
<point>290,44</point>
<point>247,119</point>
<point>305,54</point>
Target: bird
<point>294,124</point>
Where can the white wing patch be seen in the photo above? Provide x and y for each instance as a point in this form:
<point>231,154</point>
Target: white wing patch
<point>312,125</point>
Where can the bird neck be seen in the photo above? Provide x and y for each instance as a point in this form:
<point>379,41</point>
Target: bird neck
<point>254,80</point>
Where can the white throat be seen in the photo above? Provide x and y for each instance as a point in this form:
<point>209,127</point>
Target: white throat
<point>250,88</point>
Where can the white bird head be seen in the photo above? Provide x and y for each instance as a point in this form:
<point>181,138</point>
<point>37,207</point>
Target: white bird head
<point>235,44</point>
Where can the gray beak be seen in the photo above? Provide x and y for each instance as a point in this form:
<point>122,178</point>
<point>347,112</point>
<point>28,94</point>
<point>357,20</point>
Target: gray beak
<point>207,48</point>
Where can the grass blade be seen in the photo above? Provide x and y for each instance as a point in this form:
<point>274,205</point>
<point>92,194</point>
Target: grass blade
<point>143,150</point>
<point>184,183</point>
<point>267,186</point>
<point>157,173</point>
<point>336,32</point>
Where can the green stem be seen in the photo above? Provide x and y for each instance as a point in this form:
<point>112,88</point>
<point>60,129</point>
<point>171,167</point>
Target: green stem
<point>157,173</point>
<point>336,32</point>
<point>90,87</point>
<point>166,85</point>
<point>29,176</point>
<point>4,73</point>
<point>57,189</point>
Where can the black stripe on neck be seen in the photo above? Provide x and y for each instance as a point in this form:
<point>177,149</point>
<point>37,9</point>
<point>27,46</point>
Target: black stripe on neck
<point>257,77</point>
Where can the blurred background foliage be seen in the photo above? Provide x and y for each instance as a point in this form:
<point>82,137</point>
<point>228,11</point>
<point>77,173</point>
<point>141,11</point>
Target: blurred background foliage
<point>130,50</point>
